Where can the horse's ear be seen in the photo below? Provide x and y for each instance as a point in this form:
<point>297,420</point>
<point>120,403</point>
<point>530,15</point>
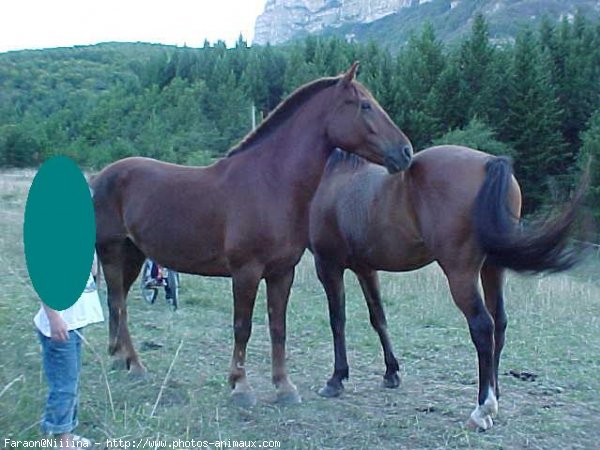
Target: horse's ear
<point>351,74</point>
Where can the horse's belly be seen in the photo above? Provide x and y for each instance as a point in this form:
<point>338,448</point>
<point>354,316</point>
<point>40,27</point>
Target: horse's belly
<point>201,265</point>
<point>398,257</point>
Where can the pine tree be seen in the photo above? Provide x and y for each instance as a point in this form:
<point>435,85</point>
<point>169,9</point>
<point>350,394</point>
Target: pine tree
<point>231,112</point>
<point>475,62</point>
<point>274,65</point>
<point>446,102</point>
<point>419,68</point>
<point>339,56</point>
<point>253,81</point>
<point>370,57</point>
<point>320,58</point>
<point>239,56</point>
<point>263,78</point>
<point>299,70</point>
<point>533,122</point>
<point>478,135</point>
<point>580,93</point>
<point>591,149</point>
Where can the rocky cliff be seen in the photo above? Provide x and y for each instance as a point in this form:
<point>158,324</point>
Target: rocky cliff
<point>282,19</point>
<point>390,22</point>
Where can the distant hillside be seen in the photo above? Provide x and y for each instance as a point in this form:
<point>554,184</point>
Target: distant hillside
<point>391,28</point>
<point>537,98</point>
<point>75,77</point>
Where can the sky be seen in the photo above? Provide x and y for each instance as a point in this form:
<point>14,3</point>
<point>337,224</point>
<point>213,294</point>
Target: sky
<point>29,24</point>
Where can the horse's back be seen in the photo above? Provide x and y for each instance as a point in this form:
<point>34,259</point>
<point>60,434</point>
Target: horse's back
<point>165,209</point>
<point>127,185</point>
<point>114,177</point>
<point>449,177</point>
<point>399,222</point>
<point>448,172</point>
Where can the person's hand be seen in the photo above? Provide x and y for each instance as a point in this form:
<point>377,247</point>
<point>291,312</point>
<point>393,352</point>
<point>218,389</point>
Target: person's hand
<point>58,328</point>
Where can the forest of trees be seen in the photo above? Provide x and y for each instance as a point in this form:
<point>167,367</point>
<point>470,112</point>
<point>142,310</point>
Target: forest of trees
<point>536,99</point>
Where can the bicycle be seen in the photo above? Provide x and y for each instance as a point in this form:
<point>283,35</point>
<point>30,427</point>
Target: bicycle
<point>163,278</point>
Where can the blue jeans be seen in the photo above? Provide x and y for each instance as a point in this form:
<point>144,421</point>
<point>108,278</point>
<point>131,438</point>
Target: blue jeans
<point>62,365</point>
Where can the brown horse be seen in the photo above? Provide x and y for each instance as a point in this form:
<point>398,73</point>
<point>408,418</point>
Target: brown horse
<point>244,217</point>
<point>456,206</point>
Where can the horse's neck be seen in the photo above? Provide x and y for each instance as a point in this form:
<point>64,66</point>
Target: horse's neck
<point>297,154</point>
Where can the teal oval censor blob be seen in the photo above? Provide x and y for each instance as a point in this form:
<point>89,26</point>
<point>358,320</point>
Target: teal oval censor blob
<point>59,232</point>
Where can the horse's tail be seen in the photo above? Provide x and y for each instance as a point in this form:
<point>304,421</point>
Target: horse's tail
<point>545,246</point>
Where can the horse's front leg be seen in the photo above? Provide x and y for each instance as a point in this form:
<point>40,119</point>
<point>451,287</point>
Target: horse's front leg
<point>331,276</point>
<point>369,283</point>
<point>278,293</point>
<point>463,286</point>
<point>245,286</point>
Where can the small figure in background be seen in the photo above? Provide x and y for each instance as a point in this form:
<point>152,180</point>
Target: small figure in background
<point>155,276</point>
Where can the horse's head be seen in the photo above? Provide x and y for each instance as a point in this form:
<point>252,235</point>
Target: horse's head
<point>358,124</point>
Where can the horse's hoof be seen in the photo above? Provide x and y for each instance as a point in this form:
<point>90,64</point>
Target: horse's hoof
<point>483,424</point>
<point>330,391</point>
<point>479,421</point>
<point>243,399</point>
<point>118,364</point>
<point>289,398</point>
<point>391,381</point>
<point>138,372</point>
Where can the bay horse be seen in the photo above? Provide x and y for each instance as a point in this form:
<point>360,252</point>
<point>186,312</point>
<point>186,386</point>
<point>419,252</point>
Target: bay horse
<point>457,206</point>
<point>244,217</point>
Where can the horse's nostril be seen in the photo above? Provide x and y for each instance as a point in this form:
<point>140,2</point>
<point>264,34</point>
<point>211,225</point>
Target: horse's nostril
<point>407,151</point>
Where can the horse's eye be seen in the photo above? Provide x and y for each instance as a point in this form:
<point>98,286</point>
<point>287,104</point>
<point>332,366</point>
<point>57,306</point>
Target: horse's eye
<point>365,105</point>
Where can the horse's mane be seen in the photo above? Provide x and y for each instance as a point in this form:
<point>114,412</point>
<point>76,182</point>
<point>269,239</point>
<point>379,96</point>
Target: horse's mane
<point>339,157</point>
<point>282,112</point>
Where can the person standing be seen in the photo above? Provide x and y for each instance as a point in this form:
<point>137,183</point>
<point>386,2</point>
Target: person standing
<point>60,337</point>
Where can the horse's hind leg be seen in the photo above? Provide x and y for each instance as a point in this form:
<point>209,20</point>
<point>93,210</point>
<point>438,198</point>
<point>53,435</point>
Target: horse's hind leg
<point>121,262</point>
<point>463,285</point>
<point>492,280</point>
<point>331,276</point>
<point>369,282</point>
<point>278,293</point>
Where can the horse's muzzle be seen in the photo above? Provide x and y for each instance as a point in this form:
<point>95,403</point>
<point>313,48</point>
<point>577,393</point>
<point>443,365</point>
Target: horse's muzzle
<point>398,160</point>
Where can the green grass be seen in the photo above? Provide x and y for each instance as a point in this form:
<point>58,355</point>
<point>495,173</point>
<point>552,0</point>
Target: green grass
<point>554,332</point>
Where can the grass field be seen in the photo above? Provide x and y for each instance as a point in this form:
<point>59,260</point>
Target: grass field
<point>554,333</point>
